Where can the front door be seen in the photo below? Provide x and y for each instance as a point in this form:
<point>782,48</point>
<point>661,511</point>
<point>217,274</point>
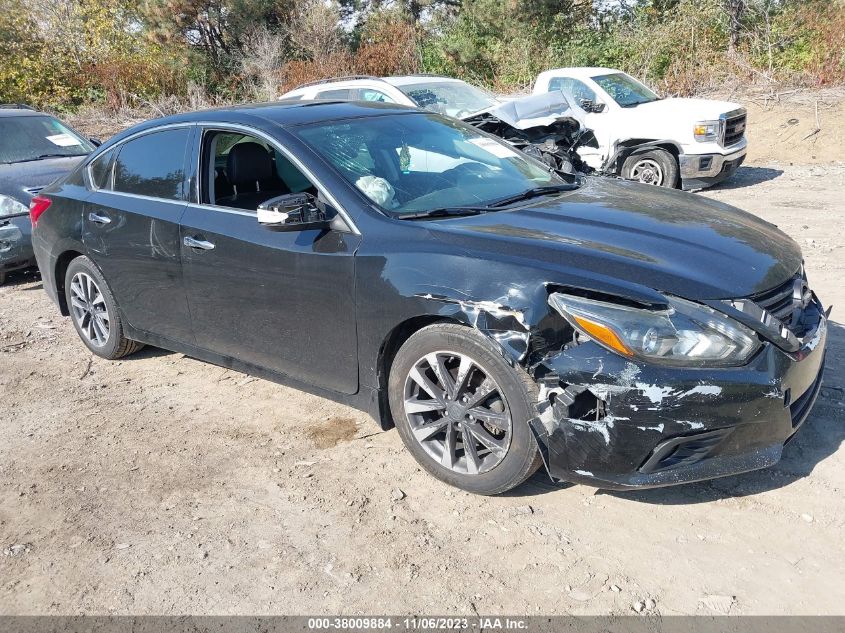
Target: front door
<point>131,229</point>
<point>282,301</point>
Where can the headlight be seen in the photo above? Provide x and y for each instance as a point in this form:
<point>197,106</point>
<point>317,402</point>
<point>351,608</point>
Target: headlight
<point>706,130</point>
<point>10,206</point>
<point>686,333</point>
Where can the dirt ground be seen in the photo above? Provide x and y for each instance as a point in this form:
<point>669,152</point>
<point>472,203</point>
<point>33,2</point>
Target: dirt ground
<point>160,484</point>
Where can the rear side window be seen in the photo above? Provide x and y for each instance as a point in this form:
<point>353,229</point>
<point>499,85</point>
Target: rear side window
<point>102,171</point>
<point>153,165</point>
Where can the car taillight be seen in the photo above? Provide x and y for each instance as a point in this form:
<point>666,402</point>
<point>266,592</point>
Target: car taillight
<point>37,206</point>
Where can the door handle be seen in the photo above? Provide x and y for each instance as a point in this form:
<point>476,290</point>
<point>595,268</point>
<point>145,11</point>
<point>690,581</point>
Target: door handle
<point>99,219</point>
<point>195,243</point>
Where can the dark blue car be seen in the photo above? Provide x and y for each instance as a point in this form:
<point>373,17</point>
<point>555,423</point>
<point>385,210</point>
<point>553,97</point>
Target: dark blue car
<point>35,150</point>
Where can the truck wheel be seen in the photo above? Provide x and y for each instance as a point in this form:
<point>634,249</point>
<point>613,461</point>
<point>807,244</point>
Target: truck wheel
<point>462,411</point>
<point>654,167</point>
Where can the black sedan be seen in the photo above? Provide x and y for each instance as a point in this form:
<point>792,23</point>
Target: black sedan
<point>499,314</point>
<point>35,150</point>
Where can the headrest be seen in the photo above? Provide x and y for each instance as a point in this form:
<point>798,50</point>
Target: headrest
<point>247,163</point>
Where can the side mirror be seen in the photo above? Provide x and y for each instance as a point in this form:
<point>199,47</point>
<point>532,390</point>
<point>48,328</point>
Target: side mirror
<point>292,212</point>
<point>96,142</point>
<point>589,105</point>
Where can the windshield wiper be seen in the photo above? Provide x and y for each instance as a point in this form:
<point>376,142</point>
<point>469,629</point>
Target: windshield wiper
<point>636,103</point>
<point>43,156</point>
<point>442,212</point>
<point>535,192</point>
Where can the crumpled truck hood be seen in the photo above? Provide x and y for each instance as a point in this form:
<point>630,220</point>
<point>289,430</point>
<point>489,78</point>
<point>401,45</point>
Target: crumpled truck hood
<point>534,110</point>
<point>663,240</point>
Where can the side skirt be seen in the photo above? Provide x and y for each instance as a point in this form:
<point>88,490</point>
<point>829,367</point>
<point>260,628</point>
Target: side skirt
<point>366,400</point>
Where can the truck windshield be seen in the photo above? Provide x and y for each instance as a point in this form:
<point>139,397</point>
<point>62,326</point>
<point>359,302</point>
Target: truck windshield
<point>625,90</point>
<point>28,138</point>
<point>409,164</point>
<point>453,98</point>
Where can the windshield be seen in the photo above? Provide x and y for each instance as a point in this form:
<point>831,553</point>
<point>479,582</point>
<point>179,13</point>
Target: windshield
<point>412,163</point>
<point>25,138</point>
<point>454,98</point>
<point>625,90</point>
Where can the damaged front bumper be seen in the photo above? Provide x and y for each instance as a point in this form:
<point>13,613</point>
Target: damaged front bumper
<point>16,244</point>
<point>611,423</point>
<point>704,170</point>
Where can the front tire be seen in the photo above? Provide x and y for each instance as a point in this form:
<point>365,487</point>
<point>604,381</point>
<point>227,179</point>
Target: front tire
<point>94,312</point>
<point>655,167</point>
<point>462,411</point>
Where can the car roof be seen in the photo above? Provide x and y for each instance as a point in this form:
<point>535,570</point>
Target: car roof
<point>15,112</point>
<point>394,80</point>
<point>404,80</point>
<point>581,71</point>
<point>286,113</point>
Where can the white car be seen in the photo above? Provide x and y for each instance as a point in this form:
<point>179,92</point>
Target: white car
<point>691,143</point>
<point>444,95</point>
<point>545,126</point>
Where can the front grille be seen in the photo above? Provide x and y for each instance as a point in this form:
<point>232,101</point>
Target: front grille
<point>787,303</point>
<point>734,130</point>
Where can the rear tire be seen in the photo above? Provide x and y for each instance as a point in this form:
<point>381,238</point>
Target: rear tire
<point>655,167</point>
<point>94,312</point>
<point>485,445</point>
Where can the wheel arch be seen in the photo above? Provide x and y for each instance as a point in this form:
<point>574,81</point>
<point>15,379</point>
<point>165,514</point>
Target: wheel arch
<point>62,263</point>
<point>387,352</point>
<point>630,147</point>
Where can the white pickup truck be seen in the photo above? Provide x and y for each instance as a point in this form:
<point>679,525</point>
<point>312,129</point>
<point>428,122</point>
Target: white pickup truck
<point>691,143</point>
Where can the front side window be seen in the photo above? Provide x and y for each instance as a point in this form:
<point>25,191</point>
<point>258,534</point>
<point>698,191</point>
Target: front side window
<point>340,94</point>
<point>240,171</point>
<point>574,89</point>
<point>453,98</point>
<point>369,94</point>
<point>625,90</point>
<point>29,138</point>
<point>153,164</point>
<point>418,162</point>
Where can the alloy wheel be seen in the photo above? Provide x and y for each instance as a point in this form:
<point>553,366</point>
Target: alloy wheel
<point>647,171</point>
<point>457,412</point>
<point>89,309</point>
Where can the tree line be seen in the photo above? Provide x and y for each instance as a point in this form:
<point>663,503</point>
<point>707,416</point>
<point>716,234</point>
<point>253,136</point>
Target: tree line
<point>67,53</point>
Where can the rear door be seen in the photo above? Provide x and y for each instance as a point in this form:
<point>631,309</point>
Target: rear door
<point>131,228</point>
<point>281,301</point>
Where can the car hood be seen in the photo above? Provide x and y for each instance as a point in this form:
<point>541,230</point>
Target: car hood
<point>19,179</point>
<point>615,230</point>
<point>688,109</point>
<point>533,111</point>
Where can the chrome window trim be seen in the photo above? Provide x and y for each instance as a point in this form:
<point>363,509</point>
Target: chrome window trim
<point>273,142</point>
<point>91,186</point>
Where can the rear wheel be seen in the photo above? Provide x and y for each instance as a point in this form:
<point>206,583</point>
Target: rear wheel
<point>93,311</point>
<point>462,411</point>
<point>655,167</point>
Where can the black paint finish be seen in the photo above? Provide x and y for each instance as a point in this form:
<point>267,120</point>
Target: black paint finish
<point>324,310</point>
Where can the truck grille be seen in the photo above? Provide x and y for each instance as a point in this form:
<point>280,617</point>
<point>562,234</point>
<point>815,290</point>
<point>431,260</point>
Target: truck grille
<point>734,128</point>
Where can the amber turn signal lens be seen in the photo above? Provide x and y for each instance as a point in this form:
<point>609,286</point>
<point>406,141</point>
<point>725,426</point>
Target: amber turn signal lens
<point>603,334</point>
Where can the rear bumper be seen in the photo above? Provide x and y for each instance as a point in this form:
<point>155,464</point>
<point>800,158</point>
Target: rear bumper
<point>16,244</point>
<point>698,171</point>
<point>663,426</point>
